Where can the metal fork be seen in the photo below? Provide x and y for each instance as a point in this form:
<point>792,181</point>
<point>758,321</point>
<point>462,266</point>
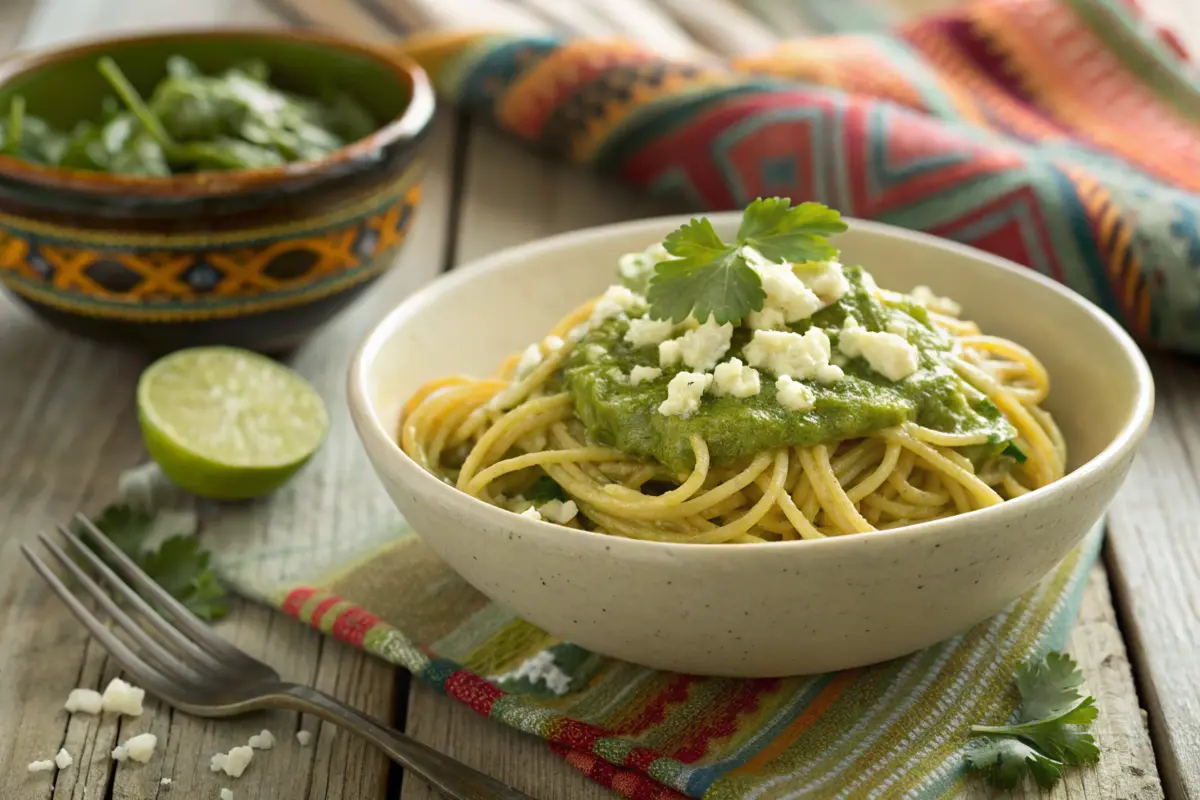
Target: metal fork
<point>198,672</point>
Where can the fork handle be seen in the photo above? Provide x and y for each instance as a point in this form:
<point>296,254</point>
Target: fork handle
<point>452,778</point>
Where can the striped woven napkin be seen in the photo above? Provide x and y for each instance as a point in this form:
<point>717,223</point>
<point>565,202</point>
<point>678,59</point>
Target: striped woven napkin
<point>1063,134</point>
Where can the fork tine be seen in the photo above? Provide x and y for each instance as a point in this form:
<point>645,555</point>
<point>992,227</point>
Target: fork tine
<point>167,661</point>
<point>186,620</point>
<point>145,674</point>
<point>127,594</point>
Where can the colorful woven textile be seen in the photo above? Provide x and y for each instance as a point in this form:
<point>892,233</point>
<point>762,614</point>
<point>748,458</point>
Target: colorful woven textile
<point>1062,134</point>
<point>1058,133</point>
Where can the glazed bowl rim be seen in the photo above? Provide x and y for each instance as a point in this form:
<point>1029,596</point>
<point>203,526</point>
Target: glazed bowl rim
<point>381,443</point>
<point>411,123</point>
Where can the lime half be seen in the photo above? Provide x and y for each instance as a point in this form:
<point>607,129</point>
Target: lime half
<point>228,424</point>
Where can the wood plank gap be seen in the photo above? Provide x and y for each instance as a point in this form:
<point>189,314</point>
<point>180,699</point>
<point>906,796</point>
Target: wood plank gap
<point>463,132</point>
<point>402,681</point>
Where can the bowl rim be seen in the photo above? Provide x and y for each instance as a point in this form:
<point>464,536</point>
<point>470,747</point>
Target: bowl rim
<point>410,123</point>
<point>369,426</point>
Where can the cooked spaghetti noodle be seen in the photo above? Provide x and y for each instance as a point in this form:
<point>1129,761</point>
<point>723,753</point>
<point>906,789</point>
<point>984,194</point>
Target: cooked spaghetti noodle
<point>502,439</point>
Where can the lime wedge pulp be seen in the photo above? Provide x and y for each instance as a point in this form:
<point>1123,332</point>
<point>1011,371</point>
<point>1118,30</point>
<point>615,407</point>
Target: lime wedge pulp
<point>228,424</point>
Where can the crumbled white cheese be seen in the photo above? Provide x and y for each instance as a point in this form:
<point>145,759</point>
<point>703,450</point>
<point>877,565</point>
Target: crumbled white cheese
<point>262,741</point>
<point>531,512</point>
<point>234,762</point>
<point>578,332</point>
<point>558,511</point>
<point>669,353</point>
<point>827,279</point>
<point>615,300</point>
<point>226,794</point>
<point>829,373</point>
<point>735,379</point>
<point>304,738</point>
<point>639,375</point>
<point>553,344</point>
<point>889,354</point>
<point>645,331</point>
<point>799,356</point>
<point>140,748</point>
<point>943,305</point>
<point>684,393</point>
<point>119,753</point>
<point>63,759</point>
<point>40,766</point>
<point>84,701</point>
<point>594,352</point>
<point>122,698</point>
<point>788,299</point>
<point>636,268</point>
<point>792,394</point>
<point>165,782</point>
<point>699,348</point>
<point>897,327</point>
<point>529,361</point>
<point>543,669</point>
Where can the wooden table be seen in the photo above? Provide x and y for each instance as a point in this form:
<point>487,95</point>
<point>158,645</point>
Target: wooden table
<point>68,428</point>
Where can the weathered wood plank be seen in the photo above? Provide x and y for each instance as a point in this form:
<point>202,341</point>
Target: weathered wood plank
<point>68,405</point>
<point>1154,558</point>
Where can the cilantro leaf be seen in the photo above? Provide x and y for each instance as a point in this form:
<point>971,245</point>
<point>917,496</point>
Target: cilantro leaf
<point>181,567</point>
<point>178,564</point>
<point>1006,761</point>
<point>1015,453</point>
<point>783,232</point>
<point>125,526</point>
<point>1048,688</point>
<point>706,278</point>
<point>710,277</point>
<point>1052,728</point>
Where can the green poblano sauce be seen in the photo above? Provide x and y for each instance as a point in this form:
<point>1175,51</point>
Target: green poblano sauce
<point>620,415</point>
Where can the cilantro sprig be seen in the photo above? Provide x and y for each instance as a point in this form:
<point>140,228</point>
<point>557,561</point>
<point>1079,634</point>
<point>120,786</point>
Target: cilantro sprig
<point>178,564</point>
<point>709,277</point>
<point>1050,732</point>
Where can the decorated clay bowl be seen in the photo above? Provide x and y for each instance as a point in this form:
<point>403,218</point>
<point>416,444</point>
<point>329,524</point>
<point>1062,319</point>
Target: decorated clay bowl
<point>254,258</point>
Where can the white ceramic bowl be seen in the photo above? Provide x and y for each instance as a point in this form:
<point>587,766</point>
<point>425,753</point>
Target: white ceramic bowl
<point>771,609</point>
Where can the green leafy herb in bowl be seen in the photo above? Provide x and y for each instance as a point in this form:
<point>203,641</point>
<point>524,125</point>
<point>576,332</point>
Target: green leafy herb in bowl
<point>191,122</point>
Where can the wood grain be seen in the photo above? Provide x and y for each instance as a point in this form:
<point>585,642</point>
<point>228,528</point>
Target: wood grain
<point>68,405</point>
<point>1154,556</point>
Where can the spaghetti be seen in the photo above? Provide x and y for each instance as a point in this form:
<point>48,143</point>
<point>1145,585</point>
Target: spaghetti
<point>510,438</point>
